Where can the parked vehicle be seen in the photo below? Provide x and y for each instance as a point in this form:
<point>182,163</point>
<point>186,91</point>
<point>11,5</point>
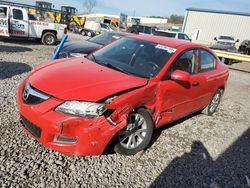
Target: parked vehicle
<point>107,27</point>
<point>15,22</point>
<point>245,47</point>
<point>226,40</point>
<point>140,29</point>
<point>119,94</point>
<point>90,29</point>
<point>228,48</point>
<point>83,48</point>
<point>225,43</point>
<point>172,34</point>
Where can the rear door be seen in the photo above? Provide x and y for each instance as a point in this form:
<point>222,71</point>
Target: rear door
<point>207,78</point>
<point>4,21</point>
<point>19,25</point>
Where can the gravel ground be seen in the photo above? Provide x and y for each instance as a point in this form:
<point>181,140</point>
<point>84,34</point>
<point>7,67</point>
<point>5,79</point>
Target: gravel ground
<point>198,151</point>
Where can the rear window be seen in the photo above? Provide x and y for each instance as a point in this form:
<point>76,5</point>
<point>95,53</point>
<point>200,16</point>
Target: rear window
<point>226,38</point>
<point>165,34</point>
<point>105,38</point>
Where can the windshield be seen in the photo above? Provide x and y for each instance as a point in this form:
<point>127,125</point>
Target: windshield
<point>226,38</point>
<point>105,38</point>
<point>132,56</point>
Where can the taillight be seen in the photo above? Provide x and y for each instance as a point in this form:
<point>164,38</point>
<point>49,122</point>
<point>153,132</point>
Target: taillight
<point>65,30</point>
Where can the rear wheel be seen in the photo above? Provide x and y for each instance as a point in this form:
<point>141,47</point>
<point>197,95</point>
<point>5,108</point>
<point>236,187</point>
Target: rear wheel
<point>136,135</point>
<point>83,33</point>
<point>49,38</point>
<point>89,33</point>
<point>213,105</point>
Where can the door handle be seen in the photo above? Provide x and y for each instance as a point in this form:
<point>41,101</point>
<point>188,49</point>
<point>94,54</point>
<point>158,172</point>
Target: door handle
<point>195,84</point>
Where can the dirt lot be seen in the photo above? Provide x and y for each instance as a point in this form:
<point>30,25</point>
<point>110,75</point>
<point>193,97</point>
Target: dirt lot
<point>198,151</point>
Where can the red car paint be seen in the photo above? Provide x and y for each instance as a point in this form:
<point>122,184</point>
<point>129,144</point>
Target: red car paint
<point>83,80</point>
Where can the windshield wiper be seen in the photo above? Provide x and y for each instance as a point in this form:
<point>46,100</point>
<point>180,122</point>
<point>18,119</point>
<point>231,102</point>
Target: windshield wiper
<point>96,60</point>
<point>93,56</point>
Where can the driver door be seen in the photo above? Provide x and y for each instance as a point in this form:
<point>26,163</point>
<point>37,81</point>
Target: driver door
<point>177,98</point>
<point>4,21</point>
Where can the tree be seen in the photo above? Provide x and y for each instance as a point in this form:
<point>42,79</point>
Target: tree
<point>176,19</point>
<point>89,5</point>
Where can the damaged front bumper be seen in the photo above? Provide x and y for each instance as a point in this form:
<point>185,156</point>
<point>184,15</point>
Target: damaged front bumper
<point>65,133</point>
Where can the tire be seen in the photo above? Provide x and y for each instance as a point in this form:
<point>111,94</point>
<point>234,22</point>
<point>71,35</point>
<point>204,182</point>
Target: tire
<point>48,38</point>
<point>89,33</point>
<point>83,33</point>
<point>137,135</point>
<point>229,61</point>
<point>214,103</point>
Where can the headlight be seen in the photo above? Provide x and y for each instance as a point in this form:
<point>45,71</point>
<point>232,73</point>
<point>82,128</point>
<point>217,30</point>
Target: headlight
<point>83,109</point>
<point>77,55</point>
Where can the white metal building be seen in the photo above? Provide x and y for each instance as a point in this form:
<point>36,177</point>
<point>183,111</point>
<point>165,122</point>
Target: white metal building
<point>203,25</point>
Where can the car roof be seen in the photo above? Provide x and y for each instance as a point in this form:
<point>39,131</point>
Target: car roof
<point>226,36</point>
<point>171,42</point>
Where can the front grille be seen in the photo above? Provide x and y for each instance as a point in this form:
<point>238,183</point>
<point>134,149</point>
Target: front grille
<point>32,128</point>
<point>31,95</point>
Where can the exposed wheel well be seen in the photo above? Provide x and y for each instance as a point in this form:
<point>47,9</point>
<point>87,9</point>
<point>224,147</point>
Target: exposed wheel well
<point>222,88</point>
<point>51,31</point>
<point>113,140</point>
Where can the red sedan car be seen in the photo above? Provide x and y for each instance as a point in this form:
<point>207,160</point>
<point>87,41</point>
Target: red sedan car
<point>120,93</point>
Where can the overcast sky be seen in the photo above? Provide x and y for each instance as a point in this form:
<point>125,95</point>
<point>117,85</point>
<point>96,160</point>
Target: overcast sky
<point>153,7</point>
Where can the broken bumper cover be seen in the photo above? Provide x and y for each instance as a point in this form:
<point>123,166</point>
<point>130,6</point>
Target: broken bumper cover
<point>64,133</point>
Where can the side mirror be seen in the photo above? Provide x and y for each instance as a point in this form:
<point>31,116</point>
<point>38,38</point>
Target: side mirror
<point>215,38</point>
<point>179,75</point>
<point>237,40</point>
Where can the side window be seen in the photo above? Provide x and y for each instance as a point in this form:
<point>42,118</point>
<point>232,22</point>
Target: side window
<point>141,28</point>
<point>17,14</point>
<point>3,12</point>
<point>185,62</point>
<point>206,61</point>
<point>147,30</point>
<point>181,36</point>
<point>186,37</point>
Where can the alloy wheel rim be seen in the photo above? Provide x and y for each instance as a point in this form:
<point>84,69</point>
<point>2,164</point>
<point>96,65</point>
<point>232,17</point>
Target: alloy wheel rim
<point>134,133</point>
<point>50,40</point>
<point>215,102</point>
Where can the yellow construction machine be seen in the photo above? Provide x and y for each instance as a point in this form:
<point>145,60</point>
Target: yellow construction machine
<point>68,17</point>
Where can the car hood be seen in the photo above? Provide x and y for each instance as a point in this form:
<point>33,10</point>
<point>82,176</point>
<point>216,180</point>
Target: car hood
<point>81,79</point>
<point>84,47</point>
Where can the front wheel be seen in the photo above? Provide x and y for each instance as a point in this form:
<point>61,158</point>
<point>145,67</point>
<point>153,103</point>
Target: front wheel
<point>136,135</point>
<point>213,105</point>
<point>49,38</point>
